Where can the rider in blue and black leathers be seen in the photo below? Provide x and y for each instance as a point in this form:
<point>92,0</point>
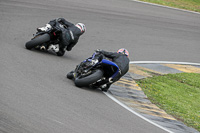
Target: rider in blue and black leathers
<point>120,63</point>
<point>116,66</point>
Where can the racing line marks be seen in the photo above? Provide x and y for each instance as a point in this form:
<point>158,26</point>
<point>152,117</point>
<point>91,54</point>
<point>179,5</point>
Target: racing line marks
<point>127,91</point>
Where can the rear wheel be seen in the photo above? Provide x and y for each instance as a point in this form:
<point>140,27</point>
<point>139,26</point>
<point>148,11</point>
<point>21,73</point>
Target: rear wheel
<point>86,81</point>
<point>37,41</point>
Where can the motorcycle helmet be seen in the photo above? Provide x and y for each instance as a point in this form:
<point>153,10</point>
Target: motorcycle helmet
<point>123,51</point>
<point>81,26</point>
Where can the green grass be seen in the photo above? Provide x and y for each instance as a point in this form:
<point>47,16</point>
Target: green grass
<point>177,94</point>
<point>192,5</point>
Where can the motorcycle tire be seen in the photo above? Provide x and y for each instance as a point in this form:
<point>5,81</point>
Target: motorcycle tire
<point>37,41</point>
<point>86,81</point>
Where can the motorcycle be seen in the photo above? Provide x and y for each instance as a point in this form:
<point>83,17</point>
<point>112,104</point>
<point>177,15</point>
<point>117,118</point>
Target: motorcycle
<point>93,71</point>
<point>47,38</point>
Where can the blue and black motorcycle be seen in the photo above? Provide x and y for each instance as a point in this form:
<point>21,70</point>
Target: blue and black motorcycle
<point>93,71</point>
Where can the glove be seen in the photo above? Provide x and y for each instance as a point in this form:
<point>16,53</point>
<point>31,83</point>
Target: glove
<point>94,62</point>
<point>59,20</point>
<point>98,50</point>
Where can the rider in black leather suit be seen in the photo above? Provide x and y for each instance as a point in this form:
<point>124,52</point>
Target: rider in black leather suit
<point>69,36</point>
<point>120,58</point>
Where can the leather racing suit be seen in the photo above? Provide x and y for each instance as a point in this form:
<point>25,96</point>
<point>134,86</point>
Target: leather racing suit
<point>119,61</point>
<point>69,36</point>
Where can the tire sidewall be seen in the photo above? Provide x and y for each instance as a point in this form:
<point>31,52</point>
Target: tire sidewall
<point>86,81</point>
<point>37,41</point>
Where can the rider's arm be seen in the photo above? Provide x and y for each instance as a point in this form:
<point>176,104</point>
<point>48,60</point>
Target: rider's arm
<point>108,54</point>
<point>65,22</point>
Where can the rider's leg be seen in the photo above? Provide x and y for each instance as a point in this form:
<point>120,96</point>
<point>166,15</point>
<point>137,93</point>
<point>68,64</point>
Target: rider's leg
<point>47,26</point>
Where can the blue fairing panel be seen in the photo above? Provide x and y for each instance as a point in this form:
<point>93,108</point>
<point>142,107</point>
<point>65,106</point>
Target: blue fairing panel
<point>104,61</point>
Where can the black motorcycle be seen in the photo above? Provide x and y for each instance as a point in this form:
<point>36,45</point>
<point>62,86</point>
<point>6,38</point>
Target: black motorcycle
<point>50,37</point>
<point>93,71</point>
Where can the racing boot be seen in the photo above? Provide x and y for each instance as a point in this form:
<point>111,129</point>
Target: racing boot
<point>105,87</point>
<point>54,48</point>
<point>61,52</point>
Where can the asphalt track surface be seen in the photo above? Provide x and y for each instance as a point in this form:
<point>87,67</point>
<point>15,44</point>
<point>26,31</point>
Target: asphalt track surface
<point>35,96</point>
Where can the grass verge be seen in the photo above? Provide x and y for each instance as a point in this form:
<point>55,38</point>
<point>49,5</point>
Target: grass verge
<point>192,5</point>
<point>177,94</point>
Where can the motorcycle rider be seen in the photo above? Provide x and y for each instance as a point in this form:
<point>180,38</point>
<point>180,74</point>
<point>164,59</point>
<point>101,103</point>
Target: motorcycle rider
<point>69,37</point>
<point>120,59</point>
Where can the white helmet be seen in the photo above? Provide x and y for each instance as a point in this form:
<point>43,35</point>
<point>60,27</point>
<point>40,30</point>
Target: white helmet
<point>81,26</point>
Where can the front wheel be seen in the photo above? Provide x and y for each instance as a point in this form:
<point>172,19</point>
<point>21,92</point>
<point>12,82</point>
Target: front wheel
<point>85,81</point>
<point>37,41</point>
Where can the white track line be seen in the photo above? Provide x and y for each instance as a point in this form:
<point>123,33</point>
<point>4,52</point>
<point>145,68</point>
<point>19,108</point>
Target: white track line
<point>148,62</point>
<point>126,107</point>
<point>165,6</point>
<point>163,62</point>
